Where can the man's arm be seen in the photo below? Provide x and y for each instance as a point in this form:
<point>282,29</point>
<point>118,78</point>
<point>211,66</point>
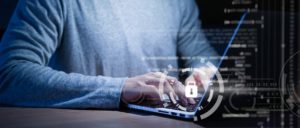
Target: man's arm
<point>32,37</point>
<point>192,42</point>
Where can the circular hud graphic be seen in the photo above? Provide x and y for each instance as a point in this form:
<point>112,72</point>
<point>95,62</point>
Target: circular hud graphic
<point>212,98</point>
<point>290,84</point>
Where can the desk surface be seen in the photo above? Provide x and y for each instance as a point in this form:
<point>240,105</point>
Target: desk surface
<point>44,118</point>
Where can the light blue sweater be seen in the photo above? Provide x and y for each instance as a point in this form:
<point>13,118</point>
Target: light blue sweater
<point>78,53</point>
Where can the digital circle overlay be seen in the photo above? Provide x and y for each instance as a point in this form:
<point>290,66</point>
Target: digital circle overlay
<point>290,86</point>
<point>213,96</point>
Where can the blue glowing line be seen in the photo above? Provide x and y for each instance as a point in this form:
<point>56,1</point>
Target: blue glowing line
<point>226,50</point>
<point>232,38</point>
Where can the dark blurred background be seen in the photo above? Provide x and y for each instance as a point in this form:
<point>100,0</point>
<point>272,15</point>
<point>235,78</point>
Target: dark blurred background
<point>6,10</point>
<point>254,63</point>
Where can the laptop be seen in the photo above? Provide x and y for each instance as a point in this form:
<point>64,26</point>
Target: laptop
<point>187,112</point>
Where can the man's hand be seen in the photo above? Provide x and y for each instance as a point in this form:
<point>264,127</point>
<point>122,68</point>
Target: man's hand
<point>202,77</point>
<point>144,89</point>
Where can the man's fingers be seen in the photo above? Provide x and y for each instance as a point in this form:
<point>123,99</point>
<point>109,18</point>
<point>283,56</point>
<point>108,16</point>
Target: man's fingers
<point>151,80</point>
<point>151,93</point>
<point>166,86</point>
<point>180,91</point>
<point>191,101</point>
<point>196,77</point>
<point>157,74</point>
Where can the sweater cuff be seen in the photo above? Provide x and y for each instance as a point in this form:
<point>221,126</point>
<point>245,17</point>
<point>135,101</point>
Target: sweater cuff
<point>112,92</point>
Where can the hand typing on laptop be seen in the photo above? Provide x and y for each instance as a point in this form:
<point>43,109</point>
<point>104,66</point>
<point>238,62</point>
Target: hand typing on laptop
<point>144,89</point>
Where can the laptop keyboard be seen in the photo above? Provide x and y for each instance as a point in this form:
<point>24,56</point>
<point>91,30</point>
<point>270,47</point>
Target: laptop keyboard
<point>190,108</point>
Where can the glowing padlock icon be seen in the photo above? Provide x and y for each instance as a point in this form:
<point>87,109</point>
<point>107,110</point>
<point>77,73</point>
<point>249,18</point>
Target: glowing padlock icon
<point>191,89</point>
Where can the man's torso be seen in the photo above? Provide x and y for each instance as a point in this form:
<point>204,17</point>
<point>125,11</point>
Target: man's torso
<point>115,37</point>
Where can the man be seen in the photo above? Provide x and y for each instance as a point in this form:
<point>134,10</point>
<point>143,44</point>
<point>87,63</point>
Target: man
<point>88,53</point>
